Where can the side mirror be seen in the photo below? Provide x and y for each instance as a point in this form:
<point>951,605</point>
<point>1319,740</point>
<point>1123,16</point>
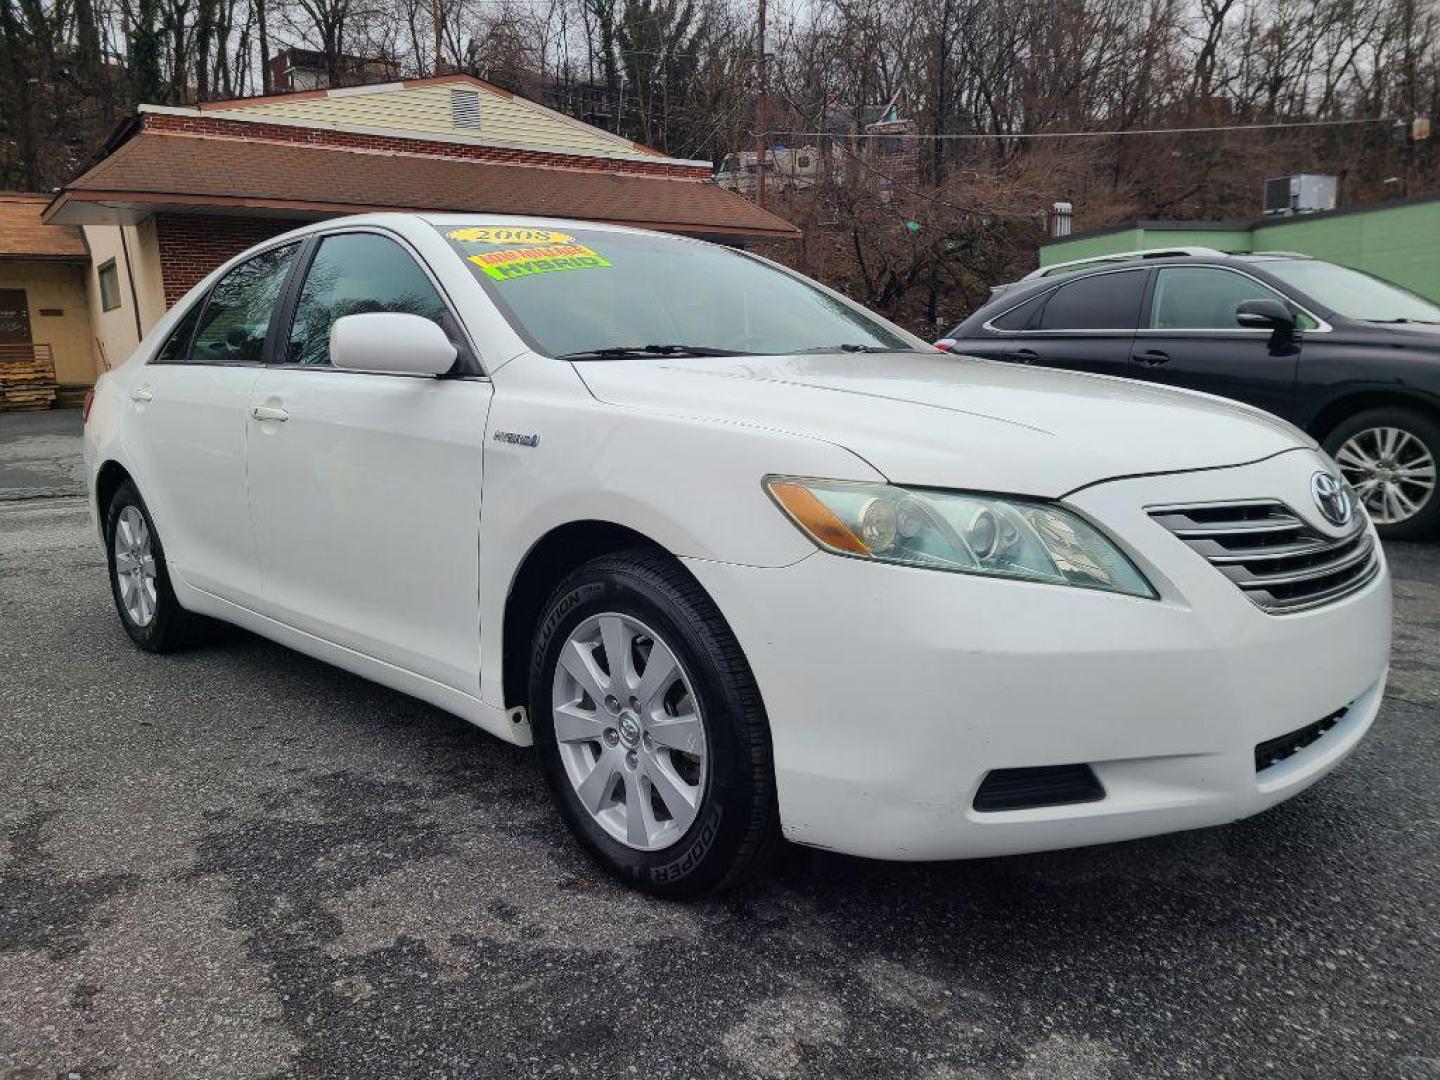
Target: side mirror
<point>1264,315</point>
<point>390,343</point>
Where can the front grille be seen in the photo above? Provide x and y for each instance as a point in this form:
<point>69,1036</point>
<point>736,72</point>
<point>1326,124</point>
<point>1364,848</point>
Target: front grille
<point>1273,751</point>
<point>1046,785</point>
<point>1274,556</point>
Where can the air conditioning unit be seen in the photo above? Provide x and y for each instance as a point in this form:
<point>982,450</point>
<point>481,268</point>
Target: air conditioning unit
<point>1300,193</point>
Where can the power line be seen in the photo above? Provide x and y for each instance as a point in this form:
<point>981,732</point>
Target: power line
<point>1123,132</point>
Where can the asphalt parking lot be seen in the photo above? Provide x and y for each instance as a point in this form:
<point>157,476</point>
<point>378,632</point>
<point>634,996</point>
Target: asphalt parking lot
<point>238,862</point>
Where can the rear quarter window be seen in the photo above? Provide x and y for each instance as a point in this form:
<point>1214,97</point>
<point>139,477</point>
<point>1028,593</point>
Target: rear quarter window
<point>1020,318</point>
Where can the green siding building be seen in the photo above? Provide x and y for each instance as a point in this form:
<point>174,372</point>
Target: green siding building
<point>1398,241</point>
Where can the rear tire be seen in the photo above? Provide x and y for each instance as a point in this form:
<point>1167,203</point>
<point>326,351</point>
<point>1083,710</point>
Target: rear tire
<point>1359,446</point>
<point>140,580</point>
<point>729,827</point>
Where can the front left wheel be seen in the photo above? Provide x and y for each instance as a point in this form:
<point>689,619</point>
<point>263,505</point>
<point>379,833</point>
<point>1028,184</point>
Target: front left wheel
<point>650,728</point>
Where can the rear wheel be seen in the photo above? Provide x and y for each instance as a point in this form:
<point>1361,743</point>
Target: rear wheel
<point>650,728</point>
<point>140,580</point>
<point>1389,457</point>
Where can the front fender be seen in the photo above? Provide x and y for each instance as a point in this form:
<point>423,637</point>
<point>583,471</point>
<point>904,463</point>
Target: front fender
<point>693,487</point>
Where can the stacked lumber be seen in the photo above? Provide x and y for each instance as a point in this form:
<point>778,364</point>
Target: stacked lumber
<point>26,382</point>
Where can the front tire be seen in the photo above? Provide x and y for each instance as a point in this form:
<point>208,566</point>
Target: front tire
<point>650,728</point>
<point>1389,457</point>
<point>140,579</point>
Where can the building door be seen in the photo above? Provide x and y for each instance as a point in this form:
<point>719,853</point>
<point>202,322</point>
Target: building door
<point>14,317</point>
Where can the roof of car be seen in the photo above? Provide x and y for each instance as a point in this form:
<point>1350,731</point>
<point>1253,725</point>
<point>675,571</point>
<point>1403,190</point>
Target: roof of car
<point>1162,257</point>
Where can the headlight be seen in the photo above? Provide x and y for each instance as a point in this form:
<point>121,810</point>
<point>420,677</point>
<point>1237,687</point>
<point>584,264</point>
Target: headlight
<point>948,530</point>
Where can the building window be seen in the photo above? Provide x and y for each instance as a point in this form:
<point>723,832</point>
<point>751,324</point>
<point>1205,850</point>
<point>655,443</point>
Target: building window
<point>465,109</point>
<point>109,286</point>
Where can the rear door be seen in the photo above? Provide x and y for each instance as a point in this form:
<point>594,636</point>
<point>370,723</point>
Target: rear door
<point>1189,338</point>
<point>187,441</point>
<point>1085,325</point>
<point>365,488</point>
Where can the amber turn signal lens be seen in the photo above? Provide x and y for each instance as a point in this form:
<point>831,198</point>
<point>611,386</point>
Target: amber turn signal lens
<point>816,518</point>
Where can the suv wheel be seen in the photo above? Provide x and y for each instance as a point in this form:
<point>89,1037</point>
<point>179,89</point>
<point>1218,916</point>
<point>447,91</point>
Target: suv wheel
<point>1389,457</point>
<point>650,728</point>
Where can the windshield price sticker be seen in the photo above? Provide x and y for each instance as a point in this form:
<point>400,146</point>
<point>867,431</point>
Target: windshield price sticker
<point>523,262</point>
<point>510,234</point>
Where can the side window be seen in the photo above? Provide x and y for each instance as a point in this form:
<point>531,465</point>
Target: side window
<point>177,346</point>
<point>237,315</point>
<point>1101,302</point>
<point>1019,318</point>
<point>353,273</point>
<point>1204,298</point>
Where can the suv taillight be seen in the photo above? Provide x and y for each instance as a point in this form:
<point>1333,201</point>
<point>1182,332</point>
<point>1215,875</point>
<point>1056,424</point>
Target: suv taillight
<point>945,344</point>
<point>85,410</point>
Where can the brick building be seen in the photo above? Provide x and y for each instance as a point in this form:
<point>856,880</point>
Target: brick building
<point>174,192</point>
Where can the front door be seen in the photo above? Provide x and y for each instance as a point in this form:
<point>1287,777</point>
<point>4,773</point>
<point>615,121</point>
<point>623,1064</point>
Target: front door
<point>1190,338</point>
<point>191,404</point>
<point>14,319</point>
<point>365,488</point>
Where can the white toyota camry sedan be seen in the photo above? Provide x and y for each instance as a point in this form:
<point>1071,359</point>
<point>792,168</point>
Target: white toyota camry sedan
<point>741,559</point>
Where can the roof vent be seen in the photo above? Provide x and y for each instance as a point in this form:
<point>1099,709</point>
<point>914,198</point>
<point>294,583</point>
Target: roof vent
<point>465,109</point>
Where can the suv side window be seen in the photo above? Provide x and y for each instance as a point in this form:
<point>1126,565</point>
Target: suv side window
<point>1019,318</point>
<point>1101,302</point>
<point>1204,298</point>
<point>237,315</point>
<point>177,346</point>
<point>353,273</point>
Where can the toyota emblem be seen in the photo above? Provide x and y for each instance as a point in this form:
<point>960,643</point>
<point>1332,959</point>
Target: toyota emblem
<point>1332,497</point>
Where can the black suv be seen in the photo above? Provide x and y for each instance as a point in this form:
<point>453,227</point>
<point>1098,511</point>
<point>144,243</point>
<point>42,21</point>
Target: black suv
<point>1352,359</point>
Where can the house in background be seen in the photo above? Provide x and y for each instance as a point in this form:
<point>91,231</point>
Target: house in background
<point>306,69</point>
<point>45,340</point>
<point>174,192</point>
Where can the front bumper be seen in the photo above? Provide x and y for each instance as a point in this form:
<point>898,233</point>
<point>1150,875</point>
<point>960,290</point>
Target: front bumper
<point>893,691</point>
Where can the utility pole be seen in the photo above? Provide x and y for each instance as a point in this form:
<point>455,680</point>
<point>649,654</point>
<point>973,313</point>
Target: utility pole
<point>942,55</point>
<point>760,140</point>
<point>438,15</point>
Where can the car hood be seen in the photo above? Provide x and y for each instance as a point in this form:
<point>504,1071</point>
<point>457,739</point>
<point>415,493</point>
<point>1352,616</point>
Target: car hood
<point>935,419</point>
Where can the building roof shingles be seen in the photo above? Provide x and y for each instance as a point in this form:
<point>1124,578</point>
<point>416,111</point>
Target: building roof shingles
<point>207,171</point>
<point>24,236</point>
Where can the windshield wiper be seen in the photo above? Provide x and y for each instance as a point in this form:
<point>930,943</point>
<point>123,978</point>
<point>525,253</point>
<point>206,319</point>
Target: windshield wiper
<point>1422,322</point>
<point>617,352</point>
<point>854,348</point>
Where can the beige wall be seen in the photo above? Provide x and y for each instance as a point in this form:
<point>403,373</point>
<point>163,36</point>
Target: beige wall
<point>115,329</point>
<point>425,110</point>
<point>57,286</point>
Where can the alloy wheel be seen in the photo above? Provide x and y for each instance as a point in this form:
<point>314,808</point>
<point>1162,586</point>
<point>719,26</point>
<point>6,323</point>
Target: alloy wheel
<point>135,566</point>
<point>1391,470</point>
<point>629,731</point>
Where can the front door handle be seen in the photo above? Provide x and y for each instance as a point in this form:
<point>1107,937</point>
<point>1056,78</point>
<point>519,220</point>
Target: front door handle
<point>142,394</point>
<point>1153,356</point>
<point>269,412</point>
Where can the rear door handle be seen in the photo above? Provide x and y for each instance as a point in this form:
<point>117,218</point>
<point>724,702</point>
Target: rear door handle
<point>1024,356</point>
<point>269,412</point>
<point>142,394</point>
<point>1153,356</point>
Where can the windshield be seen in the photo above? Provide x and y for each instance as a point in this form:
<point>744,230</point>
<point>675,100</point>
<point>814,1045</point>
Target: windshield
<point>1353,294</point>
<point>595,294</point>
